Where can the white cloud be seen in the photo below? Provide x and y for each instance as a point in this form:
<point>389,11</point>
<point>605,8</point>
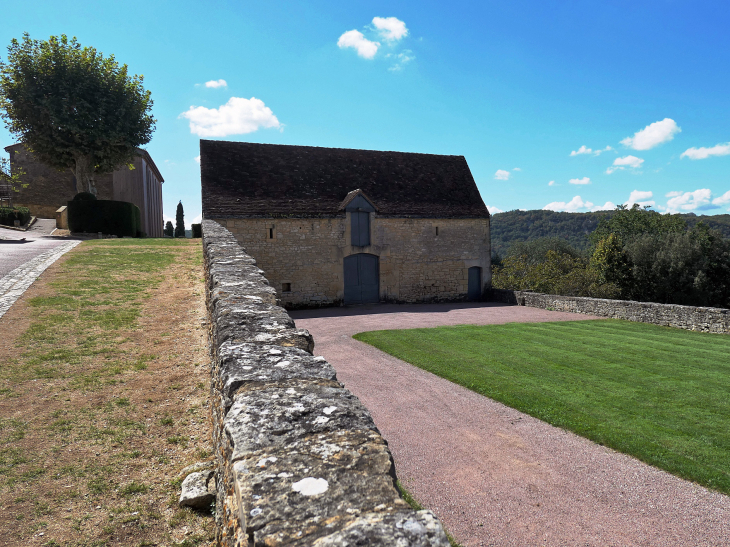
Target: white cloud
<point>501,174</point>
<point>516,169</point>
<point>198,219</point>
<point>723,199</point>
<point>355,39</point>
<point>608,206</point>
<point>653,135</point>
<point>238,116</point>
<point>494,210</point>
<point>391,29</point>
<point>401,59</point>
<point>581,150</point>
<point>641,197</point>
<point>551,183</point>
<point>216,83</point>
<point>585,150</point>
<point>622,163</point>
<point>688,201</point>
<point>703,153</point>
<point>197,159</point>
<point>584,180</point>
<point>572,206</point>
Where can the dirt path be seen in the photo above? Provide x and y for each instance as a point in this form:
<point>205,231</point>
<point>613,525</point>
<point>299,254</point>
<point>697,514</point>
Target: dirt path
<point>496,476</point>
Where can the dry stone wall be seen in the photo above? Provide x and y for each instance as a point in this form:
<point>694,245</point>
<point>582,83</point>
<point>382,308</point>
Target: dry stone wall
<point>421,260</point>
<point>715,320</point>
<point>300,461</point>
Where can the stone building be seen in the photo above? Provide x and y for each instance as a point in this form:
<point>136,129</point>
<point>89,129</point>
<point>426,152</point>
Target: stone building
<point>331,226</point>
<point>49,189</point>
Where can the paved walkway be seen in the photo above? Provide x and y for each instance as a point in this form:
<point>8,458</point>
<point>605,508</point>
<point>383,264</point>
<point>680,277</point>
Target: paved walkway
<point>21,262</point>
<point>496,476</point>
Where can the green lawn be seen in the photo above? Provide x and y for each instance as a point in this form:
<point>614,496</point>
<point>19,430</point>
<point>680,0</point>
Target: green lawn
<point>656,393</point>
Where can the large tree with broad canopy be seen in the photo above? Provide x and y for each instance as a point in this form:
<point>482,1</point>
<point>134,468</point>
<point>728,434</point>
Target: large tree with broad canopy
<point>72,107</point>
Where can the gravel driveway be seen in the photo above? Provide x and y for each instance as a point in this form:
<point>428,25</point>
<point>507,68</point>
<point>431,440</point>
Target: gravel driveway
<point>496,476</point>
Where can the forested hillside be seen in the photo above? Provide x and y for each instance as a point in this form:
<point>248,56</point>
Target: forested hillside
<point>513,226</point>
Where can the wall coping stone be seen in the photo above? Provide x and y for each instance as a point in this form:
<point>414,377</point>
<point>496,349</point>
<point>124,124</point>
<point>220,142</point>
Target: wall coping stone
<point>299,458</point>
<point>697,318</point>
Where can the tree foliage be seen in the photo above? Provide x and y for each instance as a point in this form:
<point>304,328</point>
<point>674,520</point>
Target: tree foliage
<point>690,268</point>
<point>169,230</point>
<point>72,107</point>
<point>553,267</point>
<point>8,178</point>
<point>179,221</point>
<point>629,223</point>
<point>511,227</point>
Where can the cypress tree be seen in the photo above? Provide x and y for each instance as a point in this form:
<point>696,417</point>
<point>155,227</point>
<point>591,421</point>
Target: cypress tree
<point>179,221</point>
<point>169,231</point>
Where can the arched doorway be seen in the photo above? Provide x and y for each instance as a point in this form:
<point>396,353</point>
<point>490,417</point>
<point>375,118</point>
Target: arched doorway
<point>362,279</point>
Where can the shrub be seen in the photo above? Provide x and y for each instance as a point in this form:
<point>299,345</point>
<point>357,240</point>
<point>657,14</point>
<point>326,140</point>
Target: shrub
<point>197,230</point>
<point>8,215</point>
<point>84,196</point>
<point>169,230</point>
<point>118,218</point>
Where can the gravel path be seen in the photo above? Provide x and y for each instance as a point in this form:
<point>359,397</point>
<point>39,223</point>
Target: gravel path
<point>496,476</point>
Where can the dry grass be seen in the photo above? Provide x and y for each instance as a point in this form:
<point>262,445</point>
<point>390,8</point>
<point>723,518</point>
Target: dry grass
<point>104,398</point>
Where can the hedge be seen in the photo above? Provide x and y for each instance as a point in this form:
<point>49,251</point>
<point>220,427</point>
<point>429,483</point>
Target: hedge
<point>118,218</point>
<point>197,230</point>
<point>8,215</point>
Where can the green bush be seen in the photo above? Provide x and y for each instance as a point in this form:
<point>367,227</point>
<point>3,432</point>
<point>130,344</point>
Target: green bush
<point>84,196</point>
<point>8,215</point>
<point>197,230</point>
<point>118,218</point>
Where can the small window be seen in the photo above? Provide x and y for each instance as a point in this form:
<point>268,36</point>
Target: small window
<point>286,287</point>
<point>271,233</point>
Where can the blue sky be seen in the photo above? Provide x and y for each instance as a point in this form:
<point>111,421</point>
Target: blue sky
<point>522,89</point>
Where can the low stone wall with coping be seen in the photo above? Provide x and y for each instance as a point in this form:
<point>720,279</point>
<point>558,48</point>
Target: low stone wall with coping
<point>300,461</point>
<point>716,320</point>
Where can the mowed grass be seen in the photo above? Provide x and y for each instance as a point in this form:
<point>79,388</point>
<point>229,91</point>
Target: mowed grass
<point>659,394</point>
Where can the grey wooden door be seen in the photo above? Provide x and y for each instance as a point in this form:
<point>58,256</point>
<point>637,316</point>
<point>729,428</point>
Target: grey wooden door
<point>474,291</point>
<point>361,279</point>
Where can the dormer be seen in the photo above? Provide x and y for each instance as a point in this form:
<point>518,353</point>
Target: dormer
<point>359,207</point>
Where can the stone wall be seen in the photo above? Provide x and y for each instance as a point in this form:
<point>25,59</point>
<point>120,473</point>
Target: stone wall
<point>715,320</point>
<point>48,189</point>
<point>300,461</point>
<point>421,260</point>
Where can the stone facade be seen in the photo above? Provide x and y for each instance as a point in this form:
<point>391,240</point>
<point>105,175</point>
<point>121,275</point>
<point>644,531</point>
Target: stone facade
<point>48,189</point>
<point>299,459</point>
<point>716,320</point>
<point>421,259</point>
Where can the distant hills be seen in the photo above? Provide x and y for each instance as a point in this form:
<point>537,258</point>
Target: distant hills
<point>514,226</point>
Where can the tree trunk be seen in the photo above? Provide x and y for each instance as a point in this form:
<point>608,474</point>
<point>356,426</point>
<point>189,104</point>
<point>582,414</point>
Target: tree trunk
<point>85,175</point>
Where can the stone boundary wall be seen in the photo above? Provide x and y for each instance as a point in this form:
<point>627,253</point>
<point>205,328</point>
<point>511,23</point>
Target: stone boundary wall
<point>300,461</point>
<point>716,320</point>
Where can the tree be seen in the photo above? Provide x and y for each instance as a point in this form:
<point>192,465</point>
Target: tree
<point>169,232</point>
<point>7,177</point>
<point>72,107</point>
<point>629,223</point>
<point>179,221</point>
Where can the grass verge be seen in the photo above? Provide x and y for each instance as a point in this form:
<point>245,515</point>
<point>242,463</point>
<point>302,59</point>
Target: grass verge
<point>101,361</point>
<point>656,393</point>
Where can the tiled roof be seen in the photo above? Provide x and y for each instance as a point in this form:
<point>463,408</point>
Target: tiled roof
<point>245,179</point>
